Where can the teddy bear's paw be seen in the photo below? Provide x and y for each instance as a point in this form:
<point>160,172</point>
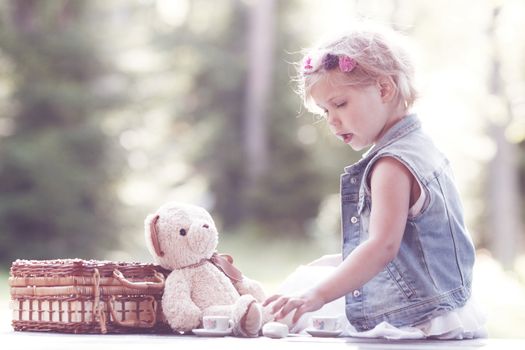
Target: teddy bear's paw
<point>253,320</point>
<point>248,317</point>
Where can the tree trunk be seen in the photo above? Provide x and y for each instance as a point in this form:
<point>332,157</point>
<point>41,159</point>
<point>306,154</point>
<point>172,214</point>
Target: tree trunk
<point>259,81</point>
<point>503,204</point>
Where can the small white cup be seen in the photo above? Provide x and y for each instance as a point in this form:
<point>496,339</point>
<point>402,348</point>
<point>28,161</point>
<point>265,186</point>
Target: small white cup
<point>325,323</point>
<point>216,323</point>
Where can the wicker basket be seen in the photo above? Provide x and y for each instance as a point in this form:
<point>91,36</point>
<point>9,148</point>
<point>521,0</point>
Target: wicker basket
<point>80,296</point>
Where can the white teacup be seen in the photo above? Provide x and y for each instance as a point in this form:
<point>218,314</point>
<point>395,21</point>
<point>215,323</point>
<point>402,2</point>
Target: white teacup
<point>216,323</point>
<point>325,323</point>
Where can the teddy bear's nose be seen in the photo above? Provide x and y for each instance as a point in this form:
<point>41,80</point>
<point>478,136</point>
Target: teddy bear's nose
<point>205,226</point>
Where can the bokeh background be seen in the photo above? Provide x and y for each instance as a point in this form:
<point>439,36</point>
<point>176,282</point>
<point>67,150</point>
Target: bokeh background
<point>111,108</point>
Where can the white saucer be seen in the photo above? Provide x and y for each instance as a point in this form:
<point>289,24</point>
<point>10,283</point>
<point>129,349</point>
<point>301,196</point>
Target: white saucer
<point>202,332</point>
<point>321,333</point>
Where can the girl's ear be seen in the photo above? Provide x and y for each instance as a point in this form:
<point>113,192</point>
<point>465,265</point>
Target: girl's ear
<point>387,88</point>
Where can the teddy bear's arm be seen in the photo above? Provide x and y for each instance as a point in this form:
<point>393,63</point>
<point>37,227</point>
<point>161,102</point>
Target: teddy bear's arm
<point>248,286</point>
<point>179,309</point>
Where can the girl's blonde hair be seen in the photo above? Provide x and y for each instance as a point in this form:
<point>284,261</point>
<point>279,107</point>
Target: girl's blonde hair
<point>376,52</point>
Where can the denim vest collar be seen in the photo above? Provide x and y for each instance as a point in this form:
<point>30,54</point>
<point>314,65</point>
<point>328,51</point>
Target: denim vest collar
<point>403,127</point>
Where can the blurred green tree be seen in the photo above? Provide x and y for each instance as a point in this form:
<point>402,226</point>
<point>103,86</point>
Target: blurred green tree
<point>57,166</point>
<point>504,197</point>
<point>283,194</point>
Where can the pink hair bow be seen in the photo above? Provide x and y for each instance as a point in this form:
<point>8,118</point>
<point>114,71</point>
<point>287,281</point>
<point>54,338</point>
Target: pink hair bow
<point>347,64</point>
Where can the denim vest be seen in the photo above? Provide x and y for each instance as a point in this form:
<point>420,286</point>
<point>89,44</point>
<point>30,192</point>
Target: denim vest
<point>432,272</point>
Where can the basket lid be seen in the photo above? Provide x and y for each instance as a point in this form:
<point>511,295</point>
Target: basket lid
<point>80,267</point>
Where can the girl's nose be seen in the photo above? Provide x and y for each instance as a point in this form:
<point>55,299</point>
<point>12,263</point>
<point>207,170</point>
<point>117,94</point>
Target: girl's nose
<point>333,119</point>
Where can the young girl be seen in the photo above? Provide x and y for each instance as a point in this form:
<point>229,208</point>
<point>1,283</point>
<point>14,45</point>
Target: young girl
<point>407,258</point>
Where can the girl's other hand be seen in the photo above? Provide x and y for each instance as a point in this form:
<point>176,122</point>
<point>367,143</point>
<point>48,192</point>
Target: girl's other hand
<point>302,304</point>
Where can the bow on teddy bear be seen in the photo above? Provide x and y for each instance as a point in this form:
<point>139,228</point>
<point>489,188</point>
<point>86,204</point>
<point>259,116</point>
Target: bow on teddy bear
<point>183,238</point>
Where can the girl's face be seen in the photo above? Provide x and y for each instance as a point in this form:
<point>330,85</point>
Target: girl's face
<point>358,115</point>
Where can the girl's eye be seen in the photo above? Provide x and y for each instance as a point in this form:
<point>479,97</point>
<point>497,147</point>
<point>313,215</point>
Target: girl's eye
<point>340,105</point>
<point>182,232</point>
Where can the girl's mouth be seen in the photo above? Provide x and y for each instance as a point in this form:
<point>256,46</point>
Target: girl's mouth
<point>347,138</point>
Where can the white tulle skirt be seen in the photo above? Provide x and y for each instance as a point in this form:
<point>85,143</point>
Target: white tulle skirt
<point>466,322</point>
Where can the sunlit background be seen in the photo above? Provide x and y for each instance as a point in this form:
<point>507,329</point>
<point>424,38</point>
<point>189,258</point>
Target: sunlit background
<point>111,108</point>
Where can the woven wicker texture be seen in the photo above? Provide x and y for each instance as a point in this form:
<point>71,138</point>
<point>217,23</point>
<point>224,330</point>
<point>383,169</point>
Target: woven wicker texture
<point>87,296</point>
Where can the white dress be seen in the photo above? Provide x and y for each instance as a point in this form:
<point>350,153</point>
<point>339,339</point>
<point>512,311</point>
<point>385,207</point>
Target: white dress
<point>466,322</point>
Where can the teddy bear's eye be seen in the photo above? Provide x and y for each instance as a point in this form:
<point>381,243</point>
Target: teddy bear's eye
<point>182,232</point>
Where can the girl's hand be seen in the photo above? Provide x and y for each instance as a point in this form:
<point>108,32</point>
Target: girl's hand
<point>283,305</point>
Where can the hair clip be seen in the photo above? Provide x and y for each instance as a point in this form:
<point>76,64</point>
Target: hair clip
<point>347,64</point>
<point>330,61</point>
<point>308,64</point>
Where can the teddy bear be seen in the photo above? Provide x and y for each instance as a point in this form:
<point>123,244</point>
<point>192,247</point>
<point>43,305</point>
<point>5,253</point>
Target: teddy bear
<point>183,238</point>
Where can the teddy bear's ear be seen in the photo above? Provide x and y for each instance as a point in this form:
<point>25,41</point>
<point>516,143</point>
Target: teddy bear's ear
<point>151,226</point>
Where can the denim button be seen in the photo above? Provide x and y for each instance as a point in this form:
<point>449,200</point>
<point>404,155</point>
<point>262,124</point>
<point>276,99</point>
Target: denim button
<point>356,293</point>
<point>353,220</point>
<point>353,180</point>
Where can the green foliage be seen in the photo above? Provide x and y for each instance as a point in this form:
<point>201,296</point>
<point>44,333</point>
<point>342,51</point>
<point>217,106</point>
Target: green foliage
<point>57,166</point>
<point>4,286</point>
<point>521,167</point>
<point>287,197</point>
